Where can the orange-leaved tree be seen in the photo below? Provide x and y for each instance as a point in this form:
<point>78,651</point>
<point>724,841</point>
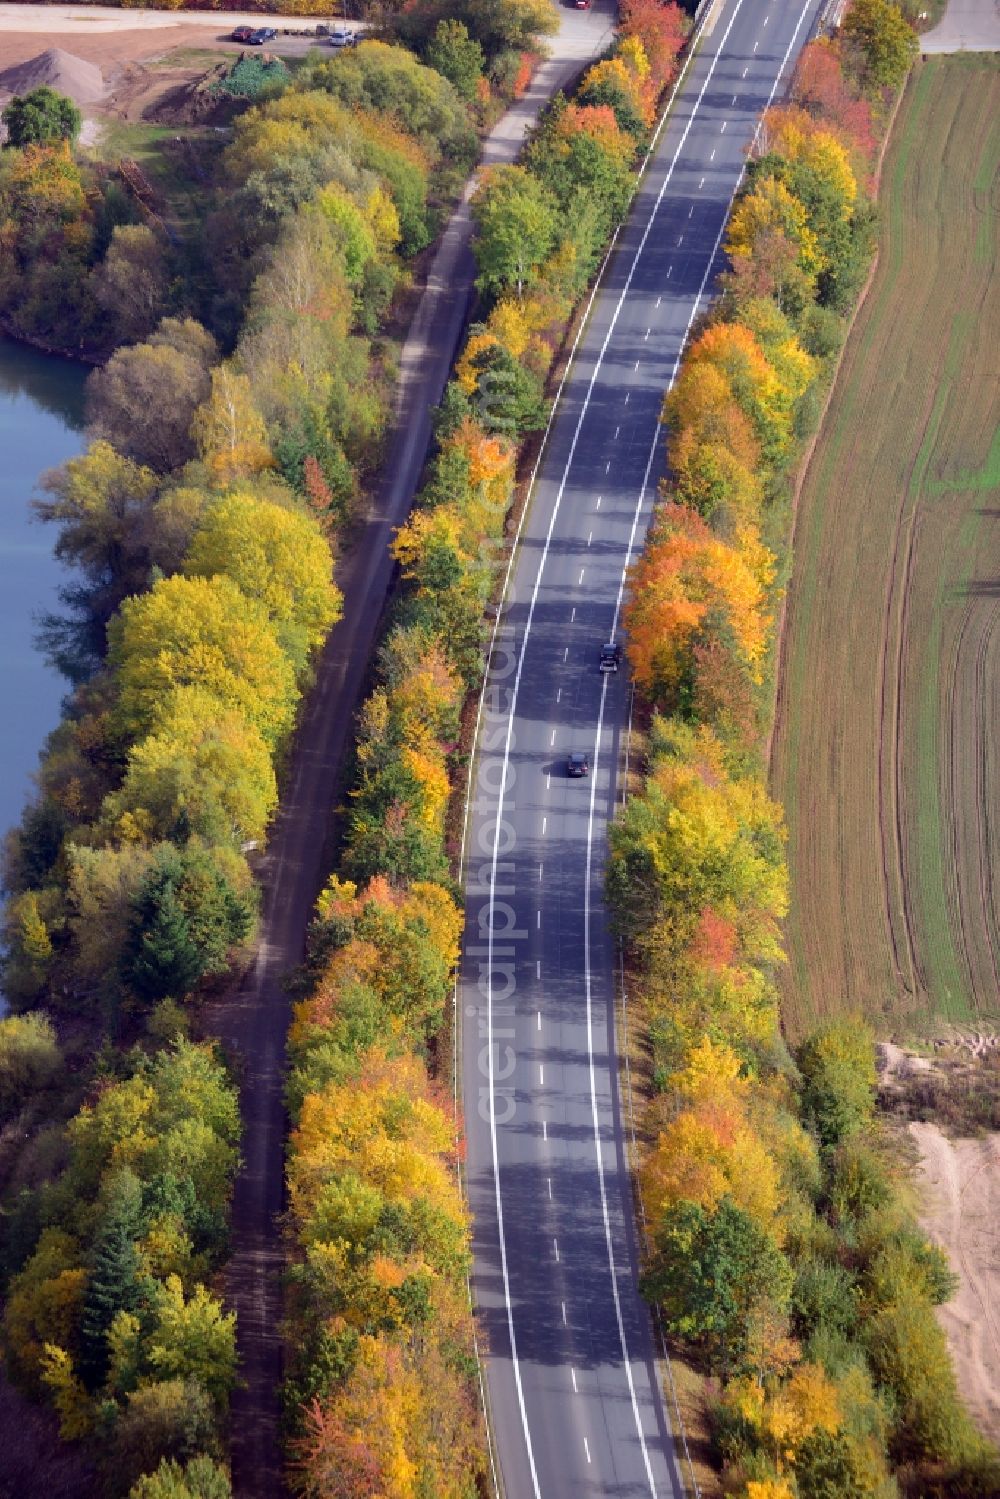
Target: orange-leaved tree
<point>685,574</point>
<point>661,29</point>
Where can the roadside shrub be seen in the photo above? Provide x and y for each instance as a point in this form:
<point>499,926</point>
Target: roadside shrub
<point>860,1185</point>
<point>824,1295</point>
<point>910,1357</point>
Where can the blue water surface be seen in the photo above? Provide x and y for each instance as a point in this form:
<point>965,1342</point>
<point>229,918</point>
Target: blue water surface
<point>41,424</point>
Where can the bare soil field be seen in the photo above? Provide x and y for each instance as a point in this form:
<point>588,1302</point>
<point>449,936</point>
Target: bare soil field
<point>885,751</point>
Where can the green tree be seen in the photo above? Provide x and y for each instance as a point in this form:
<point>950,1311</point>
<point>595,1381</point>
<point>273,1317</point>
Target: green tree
<point>713,1274</point>
<point>455,54</point>
<point>516,227</point>
<point>352,230</point>
<point>910,1356</point>
<point>171,1420</point>
<point>422,101</point>
<point>185,919</point>
<point>824,1296</point>
<point>190,1081</point>
<point>42,116</point>
<point>510,24</point>
<point>115,1283</point>
<point>860,1184</point>
<point>837,1064</point>
<point>101,885</point>
<point>588,171</point>
<point>825,1468</point>
<point>201,1478</point>
<point>887,41</point>
<point>193,1338</point>
<point>509,398</point>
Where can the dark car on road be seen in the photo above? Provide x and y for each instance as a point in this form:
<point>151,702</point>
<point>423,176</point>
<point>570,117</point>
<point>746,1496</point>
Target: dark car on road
<point>611,656</point>
<point>577,764</point>
<point>242,34</point>
<point>261,35</point>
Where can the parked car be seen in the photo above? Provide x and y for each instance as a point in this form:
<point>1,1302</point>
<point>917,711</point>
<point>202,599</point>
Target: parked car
<point>242,34</point>
<point>262,35</point>
<point>611,656</point>
<point>342,36</point>
<point>577,764</point>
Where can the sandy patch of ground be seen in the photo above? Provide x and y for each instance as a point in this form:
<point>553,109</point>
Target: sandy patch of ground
<point>960,1191</point>
<point>966,26</point>
<point>94,18</point>
<point>128,40</point>
<point>108,49</point>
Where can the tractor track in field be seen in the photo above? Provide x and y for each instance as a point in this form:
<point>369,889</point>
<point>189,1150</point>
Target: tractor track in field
<point>892,837</point>
<point>953,757</point>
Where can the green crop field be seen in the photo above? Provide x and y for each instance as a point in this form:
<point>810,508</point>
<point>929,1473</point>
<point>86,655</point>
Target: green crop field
<point>886,751</point>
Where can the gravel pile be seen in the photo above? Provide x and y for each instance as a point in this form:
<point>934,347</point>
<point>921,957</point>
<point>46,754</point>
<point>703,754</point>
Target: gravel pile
<point>81,81</point>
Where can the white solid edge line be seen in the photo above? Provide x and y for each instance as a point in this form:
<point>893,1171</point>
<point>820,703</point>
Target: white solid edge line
<point>503,780</point>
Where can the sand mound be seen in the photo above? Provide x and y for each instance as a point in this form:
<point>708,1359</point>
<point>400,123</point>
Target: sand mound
<point>82,81</point>
<point>893,1063</point>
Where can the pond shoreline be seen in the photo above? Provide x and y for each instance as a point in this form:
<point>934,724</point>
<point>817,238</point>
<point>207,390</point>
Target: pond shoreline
<point>41,425</point>
<point>39,345</point>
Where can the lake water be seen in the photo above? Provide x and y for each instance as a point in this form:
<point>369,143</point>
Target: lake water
<point>41,424</point>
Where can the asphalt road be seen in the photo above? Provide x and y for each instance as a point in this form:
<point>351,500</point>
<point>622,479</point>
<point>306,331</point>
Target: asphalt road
<point>572,1385</point>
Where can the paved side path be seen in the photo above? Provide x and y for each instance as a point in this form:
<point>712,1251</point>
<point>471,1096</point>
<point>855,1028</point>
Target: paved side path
<point>967,26</point>
<point>253,1022</point>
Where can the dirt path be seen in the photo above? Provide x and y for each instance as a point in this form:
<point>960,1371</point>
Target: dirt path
<point>254,1021</point>
<point>960,1182</point>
